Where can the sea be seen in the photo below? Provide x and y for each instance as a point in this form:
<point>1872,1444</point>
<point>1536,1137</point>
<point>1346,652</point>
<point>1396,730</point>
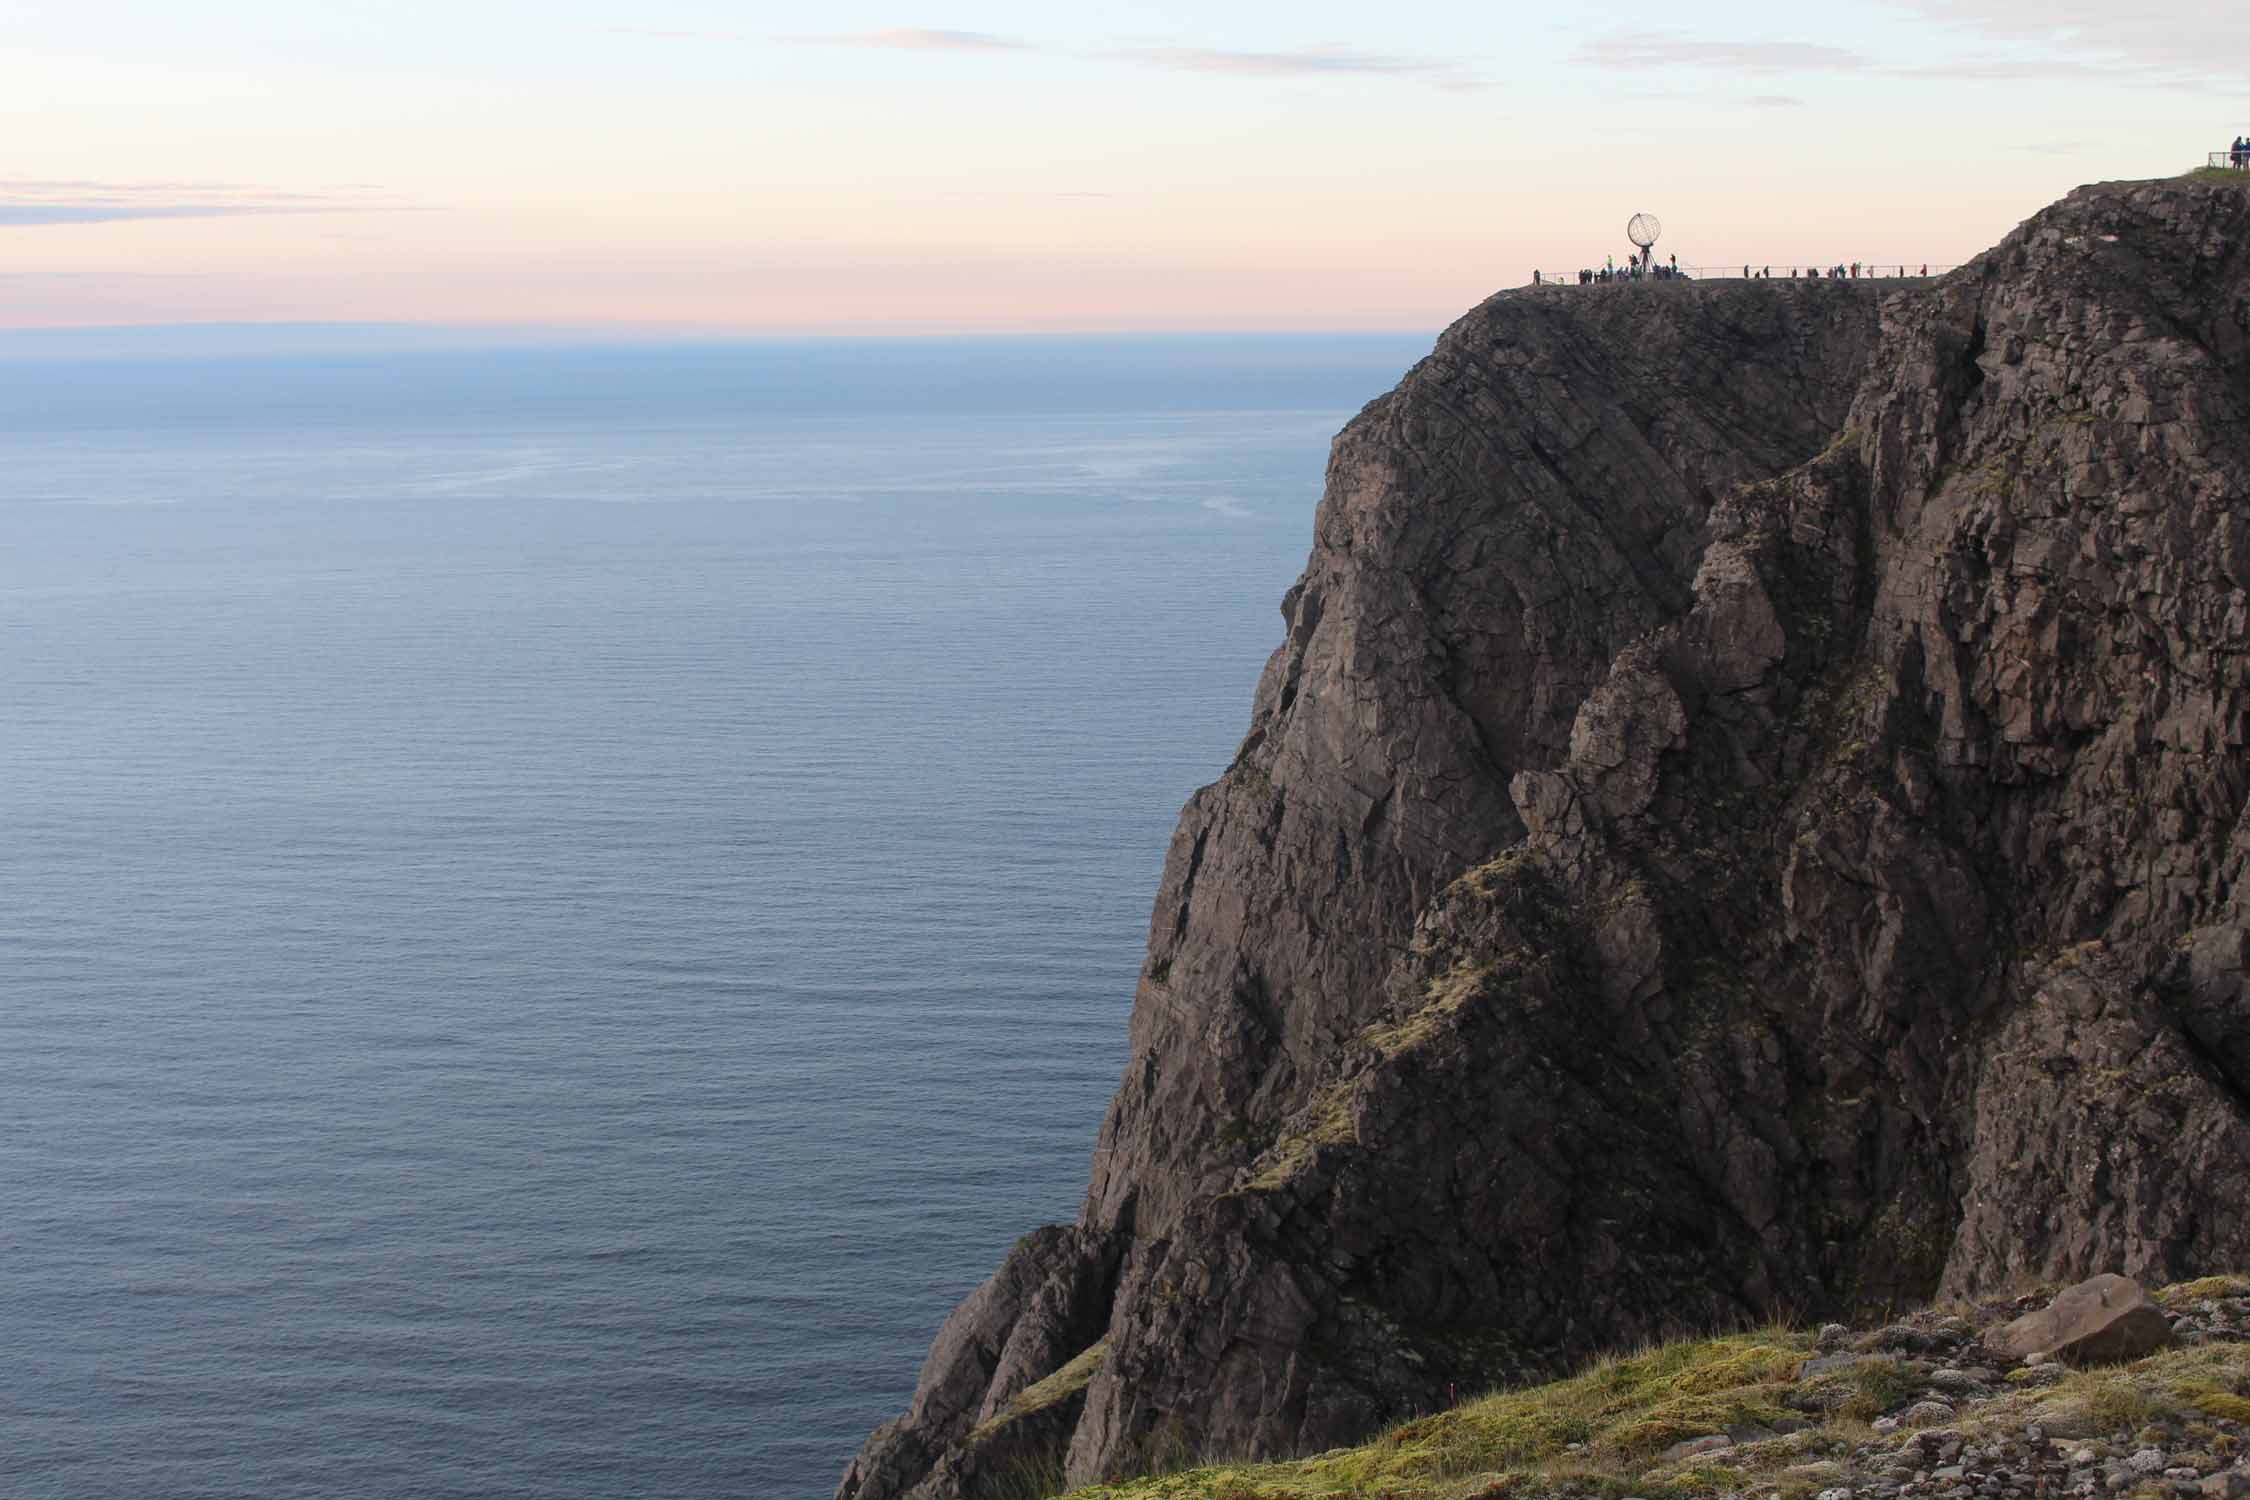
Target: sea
<point>560,906</point>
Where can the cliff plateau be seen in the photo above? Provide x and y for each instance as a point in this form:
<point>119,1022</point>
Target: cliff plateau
<point>1748,815</point>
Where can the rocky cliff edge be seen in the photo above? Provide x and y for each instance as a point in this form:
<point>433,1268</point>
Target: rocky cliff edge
<point>1748,815</point>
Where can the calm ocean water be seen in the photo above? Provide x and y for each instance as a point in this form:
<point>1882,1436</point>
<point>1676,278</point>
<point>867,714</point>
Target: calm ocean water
<point>558,909</point>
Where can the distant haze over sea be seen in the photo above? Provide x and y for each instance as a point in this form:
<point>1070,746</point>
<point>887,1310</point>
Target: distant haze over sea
<point>560,905</point>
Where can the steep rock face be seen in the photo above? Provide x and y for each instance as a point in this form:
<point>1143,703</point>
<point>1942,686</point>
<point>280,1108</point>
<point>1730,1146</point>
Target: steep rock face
<point>1748,814</point>
<point>1529,499</point>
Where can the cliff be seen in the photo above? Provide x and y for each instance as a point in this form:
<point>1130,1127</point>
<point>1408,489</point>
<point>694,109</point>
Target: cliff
<point>1748,815</point>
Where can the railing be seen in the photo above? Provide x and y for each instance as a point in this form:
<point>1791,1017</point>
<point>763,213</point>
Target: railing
<point>1868,271</point>
<point>2232,161</point>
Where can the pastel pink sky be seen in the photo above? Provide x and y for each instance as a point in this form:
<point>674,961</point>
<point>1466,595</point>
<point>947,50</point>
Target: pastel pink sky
<point>687,166</point>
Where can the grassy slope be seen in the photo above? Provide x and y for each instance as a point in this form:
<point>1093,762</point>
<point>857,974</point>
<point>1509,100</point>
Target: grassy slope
<point>1603,1432</point>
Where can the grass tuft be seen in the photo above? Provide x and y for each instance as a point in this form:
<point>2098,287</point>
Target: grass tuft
<point>1866,1390</point>
<point>1601,1433</point>
<point>1620,1413</point>
<point>2225,1405</point>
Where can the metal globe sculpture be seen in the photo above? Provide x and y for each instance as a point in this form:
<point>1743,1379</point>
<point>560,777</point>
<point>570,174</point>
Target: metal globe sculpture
<point>1642,229</point>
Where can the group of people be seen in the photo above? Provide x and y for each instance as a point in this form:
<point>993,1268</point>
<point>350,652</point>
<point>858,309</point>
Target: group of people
<point>1851,271</point>
<point>2239,154</point>
<point>1637,266</point>
<point>1643,264</point>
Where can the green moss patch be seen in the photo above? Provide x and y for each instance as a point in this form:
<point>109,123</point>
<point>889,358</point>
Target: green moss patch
<point>1866,1390</point>
<point>1066,1382</point>
<point>2210,1288</point>
<point>1601,1434</point>
<point>1442,1001</point>
<point>1600,1431</point>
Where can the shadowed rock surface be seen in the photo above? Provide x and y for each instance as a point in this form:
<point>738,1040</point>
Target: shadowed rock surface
<point>1748,815</point>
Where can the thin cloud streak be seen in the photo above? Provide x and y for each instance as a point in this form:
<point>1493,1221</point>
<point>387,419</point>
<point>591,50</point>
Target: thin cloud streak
<point>677,34</point>
<point>16,215</point>
<point>1656,49</point>
<point>13,185</point>
<point>2017,70</point>
<point>2156,41</point>
<point>888,38</point>
<point>1308,62</point>
<point>933,39</point>
<point>7,277</point>
<point>28,202</point>
<point>2098,57</point>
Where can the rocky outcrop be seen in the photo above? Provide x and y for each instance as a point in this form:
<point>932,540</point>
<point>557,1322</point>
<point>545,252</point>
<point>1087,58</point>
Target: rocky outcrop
<point>1748,814</point>
<point>2103,1319</point>
<point>1043,1309</point>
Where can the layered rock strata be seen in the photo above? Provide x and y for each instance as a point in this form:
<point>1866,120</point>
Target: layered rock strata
<point>1747,815</point>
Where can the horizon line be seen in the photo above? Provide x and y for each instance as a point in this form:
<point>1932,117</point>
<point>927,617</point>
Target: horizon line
<point>234,340</point>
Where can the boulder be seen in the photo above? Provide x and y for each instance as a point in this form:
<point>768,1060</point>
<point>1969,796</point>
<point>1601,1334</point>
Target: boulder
<point>2095,1322</point>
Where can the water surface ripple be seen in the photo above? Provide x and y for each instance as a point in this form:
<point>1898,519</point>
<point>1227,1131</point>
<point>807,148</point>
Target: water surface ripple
<point>545,941</point>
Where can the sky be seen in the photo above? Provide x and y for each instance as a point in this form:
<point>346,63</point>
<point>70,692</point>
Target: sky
<point>703,168</point>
